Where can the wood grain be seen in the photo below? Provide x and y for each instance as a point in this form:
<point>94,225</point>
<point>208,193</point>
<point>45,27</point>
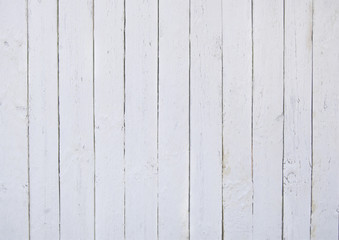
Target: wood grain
<point>237,120</point>
<point>298,117</point>
<point>141,120</point>
<point>188,119</point>
<point>173,149</point>
<point>14,188</point>
<point>268,118</point>
<point>43,121</point>
<point>325,191</point>
<point>206,120</point>
<point>109,118</point>
<point>76,119</point>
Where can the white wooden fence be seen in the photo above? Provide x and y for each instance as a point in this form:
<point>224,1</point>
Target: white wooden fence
<point>169,119</point>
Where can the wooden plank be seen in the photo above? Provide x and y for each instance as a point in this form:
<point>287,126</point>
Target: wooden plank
<point>141,120</point>
<point>267,118</point>
<point>76,119</point>
<point>325,190</point>
<point>14,197</point>
<point>237,94</point>
<point>206,120</point>
<point>109,119</point>
<point>43,112</point>
<point>297,127</point>
<point>173,119</point>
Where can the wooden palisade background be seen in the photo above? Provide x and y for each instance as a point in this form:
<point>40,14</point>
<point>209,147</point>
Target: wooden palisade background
<point>159,119</point>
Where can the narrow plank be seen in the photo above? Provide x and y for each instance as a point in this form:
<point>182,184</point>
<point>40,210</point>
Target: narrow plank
<point>43,112</point>
<point>206,120</point>
<point>237,102</point>
<point>109,118</point>
<point>325,198</point>
<point>14,223</point>
<point>297,127</point>
<point>141,120</point>
<point>173,119</point>
<point>267,118</point>
<point>76,119</point>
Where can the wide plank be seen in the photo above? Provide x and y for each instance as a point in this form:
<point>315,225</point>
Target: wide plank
<point>268,118</point>
<point>298,118</point>
<point>205,119</point>
<point>237,119</point>
<point>76,119</point>
<point>43,121</point>
<point>14,159</point>
<point>173,133</point>
<point>325,182</point>
<point>141,209</point>
<point>109,118</point>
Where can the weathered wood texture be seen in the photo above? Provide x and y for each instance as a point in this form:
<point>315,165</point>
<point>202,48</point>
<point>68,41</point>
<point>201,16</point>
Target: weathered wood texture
<point>237,121</point>
<point>298,129</point>
<point>205,119</point>
<point>14,186</point>
<point>173,132</point>
<point>109,118</point>
<point>159,119</point>
<point>76,119</point>
<point>141,120</point>
<point>325,182</point>
<point>43,119</point>
<point>268,117</point>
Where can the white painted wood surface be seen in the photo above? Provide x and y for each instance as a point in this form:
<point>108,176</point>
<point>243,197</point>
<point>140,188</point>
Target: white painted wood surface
<point>76,119</point>
<point>141,120</point>
<point>43,119</point>
<point>109,118</point>
<point>14,186</point>
<point>298,115</point>
<point>268,118</point>
<point>325,182</point>
<point>205,119</point>
<point>167,119</point>
<point>237,94</point>
<point>173,134</point>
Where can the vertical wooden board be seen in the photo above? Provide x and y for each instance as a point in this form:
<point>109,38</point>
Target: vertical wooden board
<point>206,120</point>
<point>43,112</point>
<point>237,100</point>
<point>267,118</point>
<point>109,118</point>
<point>141,119</point>
<point>76,119</point>
<point>173,119</point>
<point>297,127</point>
<point>325,190</point>
<point>14,220</point>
